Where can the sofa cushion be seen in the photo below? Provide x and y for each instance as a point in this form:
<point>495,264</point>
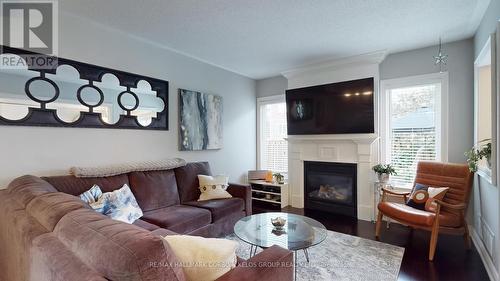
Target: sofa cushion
<point>76,186</point>
<point>181,219</point>
<point>49,208</point>
<point>146,225</point>
<point>154,189</point>
<point>116,250</point>
<point>51,260</point>
<point>406,213</point>
<point>220,208</point>
<point>187,180</point>
<point>17,231</point>
<point>25,188</point>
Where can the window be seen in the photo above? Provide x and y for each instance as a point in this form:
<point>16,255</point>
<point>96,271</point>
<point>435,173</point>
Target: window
<point>413,118</point>
<point>272,148</point>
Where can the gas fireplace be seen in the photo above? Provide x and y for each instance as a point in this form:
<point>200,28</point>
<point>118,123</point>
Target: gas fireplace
<point>331,187</point>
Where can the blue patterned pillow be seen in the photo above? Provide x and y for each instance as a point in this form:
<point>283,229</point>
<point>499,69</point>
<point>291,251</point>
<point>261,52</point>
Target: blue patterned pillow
<point>91,195</point>
<point>119,205</point>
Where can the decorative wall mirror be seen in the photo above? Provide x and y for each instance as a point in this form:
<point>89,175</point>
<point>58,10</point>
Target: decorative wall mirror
<point>76,94</point>
<point>485,110</point>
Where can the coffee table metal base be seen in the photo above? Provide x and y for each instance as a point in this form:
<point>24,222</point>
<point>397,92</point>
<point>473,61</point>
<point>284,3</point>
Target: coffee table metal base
<point>253,252</point>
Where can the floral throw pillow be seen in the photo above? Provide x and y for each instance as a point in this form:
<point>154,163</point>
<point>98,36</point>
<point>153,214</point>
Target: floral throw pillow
<point>119,205</point>
<point>91,195</point>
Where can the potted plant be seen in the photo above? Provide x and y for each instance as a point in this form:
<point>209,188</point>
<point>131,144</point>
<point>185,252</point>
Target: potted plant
<point>479,151</point>
<point>279,178</point>
<point>384,172</point>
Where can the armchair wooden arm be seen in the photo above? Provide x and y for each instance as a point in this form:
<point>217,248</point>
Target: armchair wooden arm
<point>394,193</point>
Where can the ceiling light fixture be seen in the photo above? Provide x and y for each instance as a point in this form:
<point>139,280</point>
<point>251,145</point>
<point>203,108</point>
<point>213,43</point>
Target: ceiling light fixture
<point>441,57</point>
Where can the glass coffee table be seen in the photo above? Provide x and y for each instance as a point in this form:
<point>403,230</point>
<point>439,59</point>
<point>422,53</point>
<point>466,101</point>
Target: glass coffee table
<point>298,233</point>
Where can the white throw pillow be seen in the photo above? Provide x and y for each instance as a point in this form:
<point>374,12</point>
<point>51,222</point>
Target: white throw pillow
<point>213,187</point>
<point>435,193</point>
<point>119,205</point>
<point>203,258</point>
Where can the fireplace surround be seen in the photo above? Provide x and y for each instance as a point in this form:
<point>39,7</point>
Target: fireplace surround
<point>331,187</point>
<point>361,149</point>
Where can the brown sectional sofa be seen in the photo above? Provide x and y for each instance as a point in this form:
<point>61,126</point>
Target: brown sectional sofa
<point>46,233</point>
<point>168,199</point>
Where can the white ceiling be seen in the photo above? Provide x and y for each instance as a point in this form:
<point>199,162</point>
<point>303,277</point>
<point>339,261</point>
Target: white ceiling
<point>261,38</point>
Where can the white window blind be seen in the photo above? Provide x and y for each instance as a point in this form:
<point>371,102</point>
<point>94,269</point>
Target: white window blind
<point>414,129</point>
<point>272,131</point>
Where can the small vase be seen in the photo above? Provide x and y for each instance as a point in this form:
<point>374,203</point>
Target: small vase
<point>383,178</point>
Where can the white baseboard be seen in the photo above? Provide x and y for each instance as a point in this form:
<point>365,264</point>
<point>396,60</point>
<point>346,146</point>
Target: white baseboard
<point>365,212</point>
<point>487,261</point>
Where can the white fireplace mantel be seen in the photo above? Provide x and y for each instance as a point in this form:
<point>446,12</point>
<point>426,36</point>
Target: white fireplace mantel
<point>355,148</point>
<point>361,149</point>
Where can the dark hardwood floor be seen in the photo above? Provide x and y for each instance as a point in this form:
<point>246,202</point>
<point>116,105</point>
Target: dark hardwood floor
<point>452,261</point>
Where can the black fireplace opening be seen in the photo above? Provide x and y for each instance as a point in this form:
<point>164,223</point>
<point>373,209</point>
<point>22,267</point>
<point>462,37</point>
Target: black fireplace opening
<point>331,187</point>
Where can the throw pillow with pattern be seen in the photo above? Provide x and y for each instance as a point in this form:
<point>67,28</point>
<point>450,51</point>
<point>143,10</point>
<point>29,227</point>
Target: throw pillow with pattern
<point>422,196</point>
<point>91,195</point>
<point>119,205</point>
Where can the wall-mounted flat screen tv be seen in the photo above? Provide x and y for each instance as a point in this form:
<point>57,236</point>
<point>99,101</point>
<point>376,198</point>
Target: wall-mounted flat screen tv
<point>337,108</point>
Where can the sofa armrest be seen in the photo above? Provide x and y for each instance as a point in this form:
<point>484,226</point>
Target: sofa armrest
<point>272,264</point>
<point>244,192</point>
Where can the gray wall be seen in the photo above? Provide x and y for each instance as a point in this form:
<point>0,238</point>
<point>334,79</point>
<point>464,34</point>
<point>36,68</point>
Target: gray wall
<point>487,26</point>
<point>485,196</point>
<point>50,151</point>
<point>417,62</point>
<point>271,86</point>
<point>461,97</point>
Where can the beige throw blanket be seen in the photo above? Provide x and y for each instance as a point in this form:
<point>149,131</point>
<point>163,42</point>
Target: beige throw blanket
<point>118,169</point>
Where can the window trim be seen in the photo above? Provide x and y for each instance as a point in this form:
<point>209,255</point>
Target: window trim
<point>486,57</point>
<point>388,84</point>
<point>261,102</point>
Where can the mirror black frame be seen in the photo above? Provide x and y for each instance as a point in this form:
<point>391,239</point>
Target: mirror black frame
<point>88,119</point>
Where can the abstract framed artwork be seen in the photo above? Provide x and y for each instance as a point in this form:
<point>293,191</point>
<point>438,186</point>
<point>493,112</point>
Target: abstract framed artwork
<point>200,121</point>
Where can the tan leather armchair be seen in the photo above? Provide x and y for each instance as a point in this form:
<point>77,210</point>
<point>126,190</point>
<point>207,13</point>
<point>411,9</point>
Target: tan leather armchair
<point>448,216</point>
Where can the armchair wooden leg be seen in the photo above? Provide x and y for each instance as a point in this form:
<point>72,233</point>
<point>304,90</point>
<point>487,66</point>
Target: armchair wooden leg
<point>434,238</point>
<point>466,236</point>
<point>378,224</point>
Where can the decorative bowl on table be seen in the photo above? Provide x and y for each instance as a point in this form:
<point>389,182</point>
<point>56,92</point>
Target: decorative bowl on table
<point>278,232</point>
<point>278,223</point>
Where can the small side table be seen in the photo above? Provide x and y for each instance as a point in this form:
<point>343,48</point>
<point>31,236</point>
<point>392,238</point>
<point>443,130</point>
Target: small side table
<point>377,188</point>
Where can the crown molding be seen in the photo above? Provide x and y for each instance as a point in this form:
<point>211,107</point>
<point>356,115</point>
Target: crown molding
<point>332,64</point>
